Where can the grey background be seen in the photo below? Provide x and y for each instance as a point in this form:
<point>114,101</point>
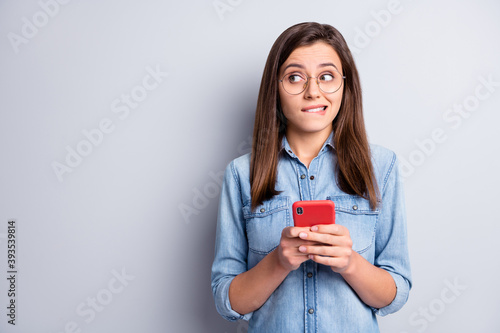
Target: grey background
<point>120,208</point>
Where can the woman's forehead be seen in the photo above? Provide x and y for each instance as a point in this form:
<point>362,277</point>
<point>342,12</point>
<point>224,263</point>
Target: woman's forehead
<point>313,55</point>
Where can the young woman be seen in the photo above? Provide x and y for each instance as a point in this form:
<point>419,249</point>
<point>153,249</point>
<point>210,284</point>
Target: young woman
<point>309,143</point>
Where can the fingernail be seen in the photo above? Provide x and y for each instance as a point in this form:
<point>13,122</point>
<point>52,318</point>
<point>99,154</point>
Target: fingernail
<point>314,228</point>
<point>302,248</point>
<point>303,235</point>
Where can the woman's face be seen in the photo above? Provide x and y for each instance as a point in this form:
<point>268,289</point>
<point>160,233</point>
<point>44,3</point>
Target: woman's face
<point>313,110</point>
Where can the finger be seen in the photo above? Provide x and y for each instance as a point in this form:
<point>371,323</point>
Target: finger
<point>328,234</point>
<point>325,250</point>
<point>320,238</point>
<point>329,239</point>
<point>325,260</point>
<point>287,232</point>
<point>318,250</point>
<point>292,232</point>
<point>307,246</point>
<point>334,229</point>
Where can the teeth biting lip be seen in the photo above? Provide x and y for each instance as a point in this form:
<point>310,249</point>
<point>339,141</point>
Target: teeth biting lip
<point>315,108</point>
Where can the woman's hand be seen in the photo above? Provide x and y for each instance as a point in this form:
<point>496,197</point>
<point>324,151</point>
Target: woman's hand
<point>289,256</point>
<point>333,246</point>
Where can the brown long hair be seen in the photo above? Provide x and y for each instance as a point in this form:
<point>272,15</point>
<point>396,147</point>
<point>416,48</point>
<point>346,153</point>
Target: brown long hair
<point>354,168</point>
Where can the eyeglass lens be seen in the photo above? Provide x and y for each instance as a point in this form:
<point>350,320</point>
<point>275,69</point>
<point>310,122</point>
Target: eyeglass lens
<point>296,82</point>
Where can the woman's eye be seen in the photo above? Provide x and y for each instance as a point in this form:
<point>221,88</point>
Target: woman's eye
<point>294,78</point>
<point>326,77</point>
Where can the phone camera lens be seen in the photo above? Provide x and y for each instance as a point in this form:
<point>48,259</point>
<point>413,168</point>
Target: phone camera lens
<point>300,210</point>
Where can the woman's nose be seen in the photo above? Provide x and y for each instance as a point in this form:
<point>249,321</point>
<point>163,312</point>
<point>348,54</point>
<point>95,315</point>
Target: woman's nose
<point>312,88</point>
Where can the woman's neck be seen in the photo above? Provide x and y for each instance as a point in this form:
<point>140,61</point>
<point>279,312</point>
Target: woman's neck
<point>307,145</point>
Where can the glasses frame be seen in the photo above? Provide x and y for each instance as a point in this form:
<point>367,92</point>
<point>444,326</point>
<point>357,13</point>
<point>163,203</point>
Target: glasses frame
<point>307,83</point>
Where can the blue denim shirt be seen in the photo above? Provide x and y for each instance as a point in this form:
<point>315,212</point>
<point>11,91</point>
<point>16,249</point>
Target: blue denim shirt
<point>312,298</point>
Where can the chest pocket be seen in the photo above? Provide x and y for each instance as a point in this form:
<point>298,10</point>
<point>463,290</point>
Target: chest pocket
<point>265,223</point>
<point>355,214</point>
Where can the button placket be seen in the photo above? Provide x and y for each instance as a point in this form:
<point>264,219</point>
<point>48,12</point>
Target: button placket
<point>302,178</point>
<point>310,292</point>
<point>312,173</point>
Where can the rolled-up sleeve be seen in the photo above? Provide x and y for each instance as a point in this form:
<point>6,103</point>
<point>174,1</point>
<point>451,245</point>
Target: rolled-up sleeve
<point>231,246</point>
<point>391,252</point>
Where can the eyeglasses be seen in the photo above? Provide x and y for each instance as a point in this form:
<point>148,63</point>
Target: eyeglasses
<point>296,82</point>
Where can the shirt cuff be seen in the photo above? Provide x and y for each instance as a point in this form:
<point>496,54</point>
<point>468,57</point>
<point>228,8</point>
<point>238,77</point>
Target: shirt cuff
<point>224,305</point>
<point>402,293</point>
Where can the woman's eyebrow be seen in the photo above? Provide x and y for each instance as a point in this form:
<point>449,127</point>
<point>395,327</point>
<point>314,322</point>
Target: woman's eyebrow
<point>293,65</point>
<point>325,64</point>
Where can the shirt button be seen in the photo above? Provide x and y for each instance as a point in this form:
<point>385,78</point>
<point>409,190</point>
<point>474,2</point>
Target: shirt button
<point>262,210</point>
<point>355,207</point>
<point>309,275</point>
<point>289,151</point>
<point>302,176</point>
<point>311,178</point>
<point>311,311</point>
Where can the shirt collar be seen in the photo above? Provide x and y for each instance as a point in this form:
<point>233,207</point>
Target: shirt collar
<point>286,146</point>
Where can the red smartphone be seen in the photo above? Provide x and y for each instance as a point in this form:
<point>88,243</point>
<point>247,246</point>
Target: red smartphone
<point>311,212</point>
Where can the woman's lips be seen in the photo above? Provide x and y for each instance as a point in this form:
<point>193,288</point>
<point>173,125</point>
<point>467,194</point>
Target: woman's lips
<point>316,109</point>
